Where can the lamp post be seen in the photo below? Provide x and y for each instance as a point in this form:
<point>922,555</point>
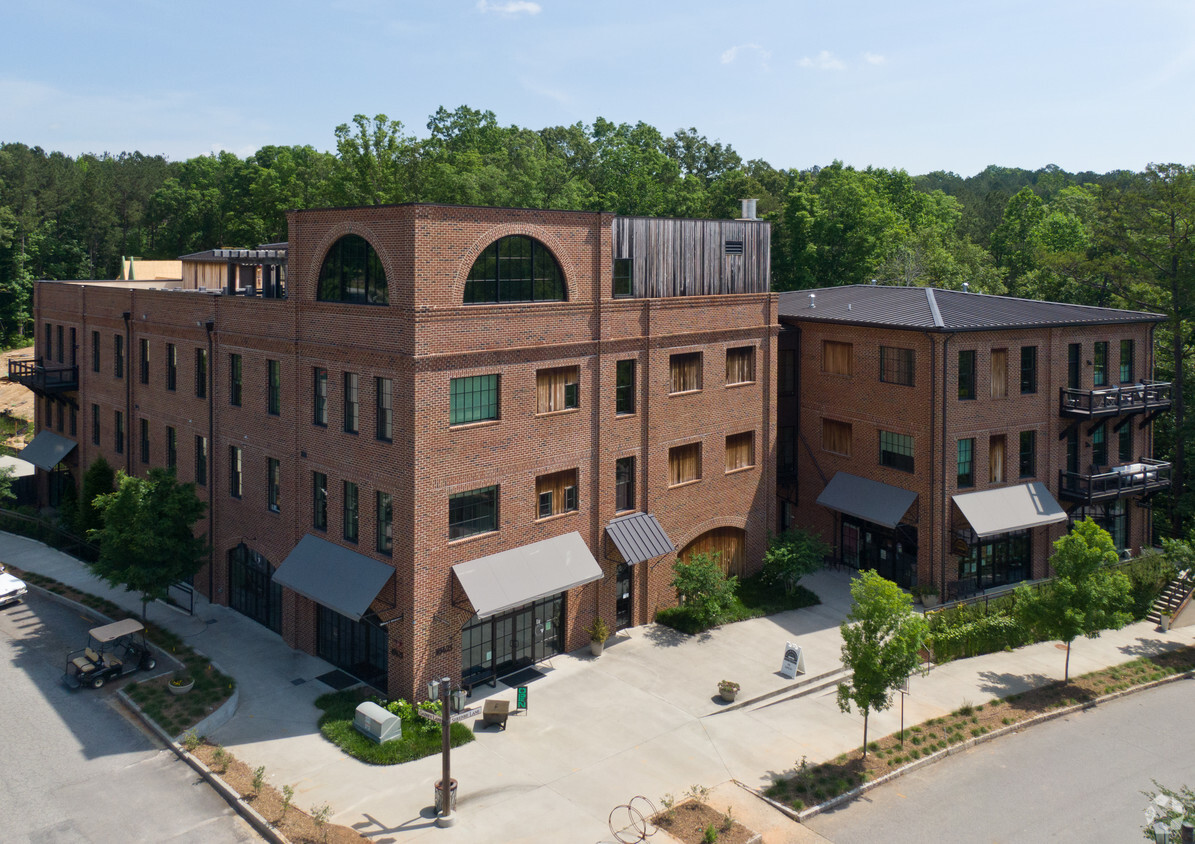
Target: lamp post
<point>441,689</point>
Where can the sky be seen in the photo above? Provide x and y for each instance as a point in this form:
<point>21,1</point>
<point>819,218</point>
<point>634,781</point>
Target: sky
<point>1083,84</point>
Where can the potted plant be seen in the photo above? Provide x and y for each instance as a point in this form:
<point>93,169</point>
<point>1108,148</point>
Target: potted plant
<point>181,683</point>
<point>927,594</point>
<point>598,634</point>
<point>727,689</point>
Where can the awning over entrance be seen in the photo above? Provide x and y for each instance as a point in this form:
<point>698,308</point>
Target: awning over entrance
<point>639,537</point>
<point>332,575</point>
<point>519,576</point>
<point>1009,508</point>
<point>47,449</point>
<point>871,501</point>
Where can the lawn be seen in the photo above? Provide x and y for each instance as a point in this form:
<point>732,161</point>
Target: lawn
<point>420,737</point>
<point>752,599</point>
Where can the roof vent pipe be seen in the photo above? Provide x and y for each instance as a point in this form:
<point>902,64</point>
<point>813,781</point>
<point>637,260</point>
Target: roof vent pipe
<point>966,287</point>
<point>749,208</point>
<point>812,296</point>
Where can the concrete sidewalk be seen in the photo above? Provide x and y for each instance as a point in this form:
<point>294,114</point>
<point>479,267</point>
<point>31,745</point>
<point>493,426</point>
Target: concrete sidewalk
<point>644,719</point>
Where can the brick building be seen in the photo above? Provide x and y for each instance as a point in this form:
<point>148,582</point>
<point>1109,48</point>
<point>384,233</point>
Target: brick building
<point>949,438</point>
<point>436,440</point>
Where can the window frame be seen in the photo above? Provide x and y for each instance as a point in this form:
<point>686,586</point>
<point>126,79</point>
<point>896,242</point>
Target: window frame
<point>967,390</point>
<point>384,400</point>
<point>319,501</point>
<point>350,511</point>
<point>624,484</point>
<point>624,387</point>
<point>623,282</point>
<point>200,372</point>
<point>676,454</point>
<point>469,501</point>
<point>964,480</point>
<point>95,351</point>
<point>333,282</point>
<point>171,367</point>
<point>144,439</point>
<point>352,403</point>
<point>1127,373</point>
<point>273,388</point>
<point>1099,364</point>
<point>236,478</point>
<point>1028,370</point>
<point>465,387</point>
<point>319,396</point>
<point>144,347</point>
<point>1027,467</point>
<point>897,365</point>
<point>274,484</point>
<point>491,276</point>
<point>171,447</point>
<point>830,364</point>
<point>118,431</point>
<point>744,352</point>
<point>200,460</point>
<point>898,451</point>
<point>95,424</point>
<point>236,381</point>
<point>117,355</point>
<point>734,447</point>
<point>998,386</point>
<point>1099,445</point>
<point>565,392</point>
<point>563,482</point>
<point>837,428</point>
<point>683,367</point>
<point>384,522</point>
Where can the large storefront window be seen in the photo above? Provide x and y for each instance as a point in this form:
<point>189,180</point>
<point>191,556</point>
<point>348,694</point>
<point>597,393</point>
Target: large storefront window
<point>1112,517</point>
<point>358,647</point>
<point>505,643</point>
<point>891,552</point>
<point>995,560</point>
<point>251,587</point>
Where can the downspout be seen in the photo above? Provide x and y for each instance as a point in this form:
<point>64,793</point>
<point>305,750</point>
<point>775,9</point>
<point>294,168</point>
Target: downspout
<point>127,371</point>
<point>210,325</point>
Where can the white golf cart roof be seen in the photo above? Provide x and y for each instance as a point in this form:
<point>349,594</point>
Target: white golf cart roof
<point>113,631</point>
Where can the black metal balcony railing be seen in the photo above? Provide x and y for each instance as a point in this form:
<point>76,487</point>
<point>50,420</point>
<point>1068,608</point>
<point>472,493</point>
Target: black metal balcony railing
<point>1145,397</point>
<point>1139,478</point>
<point>43,378</point>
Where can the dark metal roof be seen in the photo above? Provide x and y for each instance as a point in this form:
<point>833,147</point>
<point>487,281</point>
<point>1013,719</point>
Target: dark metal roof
<point>639,537</point>
<point>332,575</point>
<point>47,449</point>
<point>934,309</point>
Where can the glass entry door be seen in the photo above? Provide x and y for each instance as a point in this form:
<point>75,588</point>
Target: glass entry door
<point>251,587</point>
<point>516,639</point>
<point>622,600</point>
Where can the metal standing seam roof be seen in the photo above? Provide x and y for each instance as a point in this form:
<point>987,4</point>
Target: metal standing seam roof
<point>935,309</point>
<point>639,537</point>
<point>47,449</point>
<point>1009,508</point>
<point>332,575</point>
<point>869,500</point>
<point>521,575</point>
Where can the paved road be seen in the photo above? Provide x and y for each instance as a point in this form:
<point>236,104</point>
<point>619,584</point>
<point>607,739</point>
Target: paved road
<point>75,769</point>
<point>1077,778</point>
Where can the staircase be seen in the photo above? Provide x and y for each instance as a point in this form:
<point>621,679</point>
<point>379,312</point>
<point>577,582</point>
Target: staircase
<point>1176,592</point>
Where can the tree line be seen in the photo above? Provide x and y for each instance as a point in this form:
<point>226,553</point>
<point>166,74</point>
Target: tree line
<point>1118,239</point>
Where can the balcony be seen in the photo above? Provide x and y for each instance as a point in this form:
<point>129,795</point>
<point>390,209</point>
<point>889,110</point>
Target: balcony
<point>1140,478</point>
<point>1146,397</point>
<point>47,379</point>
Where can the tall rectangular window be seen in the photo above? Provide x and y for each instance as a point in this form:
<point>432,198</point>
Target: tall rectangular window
<point>1074,354</point>
<point>838,358</point>
<point>48,346</point>
<point>235,471</point>
<point>624,483</point>
<point>1028,454</point>
<point>95,351</point>
<point>1099,369</point>
<point>95,424</point>
<point>472,512</point>
<point>966,463</point>
<point>118,432</point>
<point>385,523</point>
<point>740,365</point>
<point>200,461</point>
<point>144,344</point>
<point>1124,445</point>
<point>273,387</point>
<point>1126,362</point>
<point>171,447</point>
<point>684,464</point>
<point>999,369</point>
<point>74,347</point>
<point>274,484</point>
<point>234,380</point>
<point>74,421</point>
<point>1072,449</point>
<point>201,373</point>
<point>1099,446</point>
<point>556,493</point>
<point>384,388</point>
<point>319,500</point>
<point>624,281</point>
<point>740,451</point>
<point>557,389</point>
<point>896,366</point>
<point>61,344</point>
<point>144,440</point>
<point>624,387</point>
<point>896,450</point>
<point>118,355</point>
<point>171,366</point>
<point>350,511</point>
<point>472,399</point>
<point>996,454</point>
<point>319,396</point>
<point>966,374</point>
<point>837,437</point>
<point>351,405</point>
<point>1028,369</point>
<point>684,372</point>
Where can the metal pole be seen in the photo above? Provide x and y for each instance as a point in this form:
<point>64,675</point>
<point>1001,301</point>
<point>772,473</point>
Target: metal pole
<point>446,817</point>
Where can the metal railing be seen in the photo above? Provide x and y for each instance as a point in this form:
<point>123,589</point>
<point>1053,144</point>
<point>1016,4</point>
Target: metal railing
<point>44,378</point>
<point>1138,478</point>
<point>1144,397</point>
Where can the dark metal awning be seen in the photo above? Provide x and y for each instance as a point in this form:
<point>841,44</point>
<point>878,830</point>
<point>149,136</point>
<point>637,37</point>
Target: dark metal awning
<point>1009,508</point>
<point>519,576</point>
<point>639,537</point>
<point>332,575</point>
<point>47,449</point>
<point>871,501</point>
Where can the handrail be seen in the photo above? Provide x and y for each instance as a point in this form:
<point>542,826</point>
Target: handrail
<point>1143,396</point>
<point>1141,475</point>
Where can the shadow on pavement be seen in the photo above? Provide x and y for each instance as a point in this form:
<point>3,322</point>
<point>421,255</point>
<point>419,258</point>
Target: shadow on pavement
<point>1005,684</point>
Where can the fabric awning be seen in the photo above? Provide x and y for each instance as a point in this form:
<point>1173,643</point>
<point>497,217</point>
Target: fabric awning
<point>639,537</point>
<point>332,575</point>
<point>519,576</point>
<point>47,449</point>
<point>871,501</point>
<point>1009,508</point>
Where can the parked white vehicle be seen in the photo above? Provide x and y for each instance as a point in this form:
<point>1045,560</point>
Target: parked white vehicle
<point>12,589</point>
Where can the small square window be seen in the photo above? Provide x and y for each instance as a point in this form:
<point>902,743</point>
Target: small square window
<point>557,389</point>
<point>556,493</point>
<point>684,372</point>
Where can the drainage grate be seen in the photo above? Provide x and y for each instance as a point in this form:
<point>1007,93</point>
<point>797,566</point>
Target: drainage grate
<point>300,681</point>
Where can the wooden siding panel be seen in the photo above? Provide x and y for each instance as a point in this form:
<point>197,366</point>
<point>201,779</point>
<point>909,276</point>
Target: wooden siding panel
<point>688,257</point>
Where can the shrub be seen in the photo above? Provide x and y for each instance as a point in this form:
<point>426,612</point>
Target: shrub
<point>703,587</point>
<point>792,555</point>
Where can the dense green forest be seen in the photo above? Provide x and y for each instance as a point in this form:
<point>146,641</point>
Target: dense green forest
<point>1120,239</point>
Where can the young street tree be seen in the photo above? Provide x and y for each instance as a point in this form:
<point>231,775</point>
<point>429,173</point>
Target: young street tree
<point>1086,595</point>
<point>792,555</point>
<point>146,540</point>
<point>881,639</point>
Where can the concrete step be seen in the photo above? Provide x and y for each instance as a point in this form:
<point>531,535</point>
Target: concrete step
<point>793,690</point>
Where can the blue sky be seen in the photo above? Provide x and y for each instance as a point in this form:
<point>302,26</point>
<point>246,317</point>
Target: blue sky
<point>1084,84</point>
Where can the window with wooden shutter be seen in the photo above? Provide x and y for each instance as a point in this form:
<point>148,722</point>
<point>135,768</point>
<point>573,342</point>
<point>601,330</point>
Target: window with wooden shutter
<point>556,493</point>
<point>557,389</point>
<point>999,373</point>
<point>837,437</point>
<point>837,358</point>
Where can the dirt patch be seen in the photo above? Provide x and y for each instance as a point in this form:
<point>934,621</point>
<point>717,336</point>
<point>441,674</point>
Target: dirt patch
<point>15,400</point>
<point>269,802</point>
<point>692,821</point>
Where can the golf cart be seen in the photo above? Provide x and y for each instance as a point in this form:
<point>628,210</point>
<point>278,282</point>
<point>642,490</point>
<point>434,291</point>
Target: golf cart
<point>112,651</point>
<point>12,589</point>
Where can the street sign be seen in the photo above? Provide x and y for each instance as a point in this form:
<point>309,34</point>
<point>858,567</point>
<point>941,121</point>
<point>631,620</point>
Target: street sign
<point>455,718</point>
<point>521,702</point>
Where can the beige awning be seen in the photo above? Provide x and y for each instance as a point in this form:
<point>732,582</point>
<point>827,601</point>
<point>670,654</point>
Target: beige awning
<point>872,501</point>
<point>1009,508</point>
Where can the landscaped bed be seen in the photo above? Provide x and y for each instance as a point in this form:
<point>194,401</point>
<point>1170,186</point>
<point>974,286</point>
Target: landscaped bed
<point>696,822</point>
<point>813,784</point>
<point>420,736</point>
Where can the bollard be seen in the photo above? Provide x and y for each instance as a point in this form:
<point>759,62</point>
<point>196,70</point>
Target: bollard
<point>1187,833</point>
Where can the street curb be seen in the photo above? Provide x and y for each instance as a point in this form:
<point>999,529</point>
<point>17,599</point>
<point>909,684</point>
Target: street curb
<point>231,796</point>
<point>223,713</point>
<point>813,811</point>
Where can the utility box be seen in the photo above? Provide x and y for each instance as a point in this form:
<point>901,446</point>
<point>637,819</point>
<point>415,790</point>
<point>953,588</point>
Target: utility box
<point>377,723</point>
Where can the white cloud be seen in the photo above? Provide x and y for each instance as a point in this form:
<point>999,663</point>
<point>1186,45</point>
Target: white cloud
<point>874,58</point>
<point>825,60</point>
<point>511,7</point>
<point>732,54</point>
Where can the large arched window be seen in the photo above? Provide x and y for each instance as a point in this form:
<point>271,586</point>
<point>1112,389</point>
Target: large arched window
<point>352,272</point>
<point>515,269</point>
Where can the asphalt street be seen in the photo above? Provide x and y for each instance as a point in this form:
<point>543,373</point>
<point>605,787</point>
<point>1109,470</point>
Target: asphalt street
<point>75,767</point>
<point>1077,778</point>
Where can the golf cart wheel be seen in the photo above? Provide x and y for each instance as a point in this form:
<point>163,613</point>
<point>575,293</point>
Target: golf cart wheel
<point>150,663</point>
<point>97,683</point>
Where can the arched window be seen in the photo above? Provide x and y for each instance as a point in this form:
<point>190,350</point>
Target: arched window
<point>352,272</point>
<point>515,269</point>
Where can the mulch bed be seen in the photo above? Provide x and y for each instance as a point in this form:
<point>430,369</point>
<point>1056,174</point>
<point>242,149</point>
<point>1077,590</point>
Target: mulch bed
<point>689,821</point>
<point>295,824</point>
